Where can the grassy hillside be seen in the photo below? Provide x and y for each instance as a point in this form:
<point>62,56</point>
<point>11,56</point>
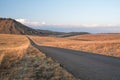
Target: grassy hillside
<point>11,26</point>
<point>105,44</point>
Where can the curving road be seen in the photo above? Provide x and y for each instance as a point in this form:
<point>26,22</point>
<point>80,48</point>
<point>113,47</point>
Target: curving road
<point>83,65</point>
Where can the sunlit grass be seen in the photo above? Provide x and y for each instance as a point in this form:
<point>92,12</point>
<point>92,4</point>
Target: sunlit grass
<point>19,60</point>
<point>105,44</point>
<point>12,48</point>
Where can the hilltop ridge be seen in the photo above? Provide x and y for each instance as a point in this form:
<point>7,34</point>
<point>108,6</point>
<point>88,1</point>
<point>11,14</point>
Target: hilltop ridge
<point>11,26</point>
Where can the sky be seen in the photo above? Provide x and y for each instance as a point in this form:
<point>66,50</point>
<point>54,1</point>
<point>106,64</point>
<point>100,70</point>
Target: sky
<point>65,15</point>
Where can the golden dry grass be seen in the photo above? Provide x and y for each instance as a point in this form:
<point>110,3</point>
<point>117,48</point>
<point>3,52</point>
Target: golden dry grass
<point>96,37</point>
<point>36,66</point>
<point>8,41</point>
<point>21,61</point>
<point>105,44</point>
<point>12,47</point>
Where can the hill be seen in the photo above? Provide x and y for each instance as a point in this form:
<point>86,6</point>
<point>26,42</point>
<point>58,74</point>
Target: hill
<point>10,26</point>
<point>72,34</point>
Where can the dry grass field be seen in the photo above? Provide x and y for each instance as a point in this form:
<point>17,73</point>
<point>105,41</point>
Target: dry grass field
<point>105,44</point>
<point>96,37</point>
<point>12,48</point>
<point>19,60</point>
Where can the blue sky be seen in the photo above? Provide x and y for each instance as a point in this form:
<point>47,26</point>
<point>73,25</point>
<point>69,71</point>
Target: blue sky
<point>80,13</point>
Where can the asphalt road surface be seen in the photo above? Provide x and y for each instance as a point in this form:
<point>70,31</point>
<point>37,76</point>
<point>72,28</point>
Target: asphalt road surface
<point>83,65</point>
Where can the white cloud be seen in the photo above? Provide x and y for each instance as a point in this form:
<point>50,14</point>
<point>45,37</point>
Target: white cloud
<point>43,23</point>
<point>100,25</point>
<point>35,23</point>
<point>30,23</point>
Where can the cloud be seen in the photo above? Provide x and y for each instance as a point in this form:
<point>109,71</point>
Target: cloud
<point>36,23</point>
<point>100,25</point>
<point>30,23</point>
<point>92,28</point>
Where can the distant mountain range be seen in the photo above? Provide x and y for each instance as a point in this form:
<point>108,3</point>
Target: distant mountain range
<point>11,26</point>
